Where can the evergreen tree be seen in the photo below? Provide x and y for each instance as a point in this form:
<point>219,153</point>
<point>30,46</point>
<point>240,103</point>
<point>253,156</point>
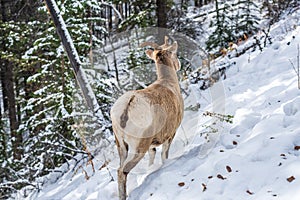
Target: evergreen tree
<point>50,106</point>
<point>221,24</point>
<point>247,17</point>
<point>44,89</point>
<point>17,30</point>
<point>137,13</point>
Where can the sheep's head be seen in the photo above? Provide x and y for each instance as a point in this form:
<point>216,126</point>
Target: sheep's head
<point>163,54</point>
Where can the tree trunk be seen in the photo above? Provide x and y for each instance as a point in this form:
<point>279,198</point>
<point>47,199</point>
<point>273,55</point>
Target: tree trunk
<point>2,63</point>
<point>161,15</point>
<point>126,10</point>
<point>72,54</point>
<point>16,139</point>
<point>110,20</point>
<point>9,98</point>
<point>4,95</point>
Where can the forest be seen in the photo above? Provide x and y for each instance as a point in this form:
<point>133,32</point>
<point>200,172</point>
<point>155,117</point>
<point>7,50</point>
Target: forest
<point>44,120</point>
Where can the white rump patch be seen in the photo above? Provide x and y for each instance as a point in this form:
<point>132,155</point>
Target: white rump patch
<point>144,120</point>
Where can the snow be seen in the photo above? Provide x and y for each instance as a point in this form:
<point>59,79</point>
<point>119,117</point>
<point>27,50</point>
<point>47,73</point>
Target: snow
<point>253,158</point>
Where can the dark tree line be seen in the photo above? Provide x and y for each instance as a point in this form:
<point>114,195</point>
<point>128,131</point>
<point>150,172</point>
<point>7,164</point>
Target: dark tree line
<point>38,87</point>
<point>234,19</point>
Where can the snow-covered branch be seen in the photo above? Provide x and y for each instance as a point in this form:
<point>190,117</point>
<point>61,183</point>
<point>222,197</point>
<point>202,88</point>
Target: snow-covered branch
<point>71,51</point>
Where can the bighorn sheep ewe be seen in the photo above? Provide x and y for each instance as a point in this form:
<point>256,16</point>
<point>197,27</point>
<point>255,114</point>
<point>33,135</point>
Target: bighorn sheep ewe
<point>144,119</point>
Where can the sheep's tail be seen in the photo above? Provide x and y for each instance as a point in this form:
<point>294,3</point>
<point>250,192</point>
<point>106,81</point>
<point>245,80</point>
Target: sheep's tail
<point>133,115</point>
<point>124,116</point>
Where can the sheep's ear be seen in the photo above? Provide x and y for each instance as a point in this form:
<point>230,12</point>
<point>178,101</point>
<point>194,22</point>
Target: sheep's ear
<point>173,47</point>
<point>177,65</point>
<point>149,53</point>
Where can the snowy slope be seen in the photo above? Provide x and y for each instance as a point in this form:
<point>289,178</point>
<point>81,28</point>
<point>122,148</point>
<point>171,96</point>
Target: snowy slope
<point>263,162</point>
<point>256,157</point>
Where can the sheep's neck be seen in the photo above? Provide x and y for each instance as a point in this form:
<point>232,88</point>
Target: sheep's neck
<point>166,73</point>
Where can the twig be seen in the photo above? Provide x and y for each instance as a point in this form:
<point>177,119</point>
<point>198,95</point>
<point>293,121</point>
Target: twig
<point>105,165</point>
<point>297,70</point>
<point>294,67</point>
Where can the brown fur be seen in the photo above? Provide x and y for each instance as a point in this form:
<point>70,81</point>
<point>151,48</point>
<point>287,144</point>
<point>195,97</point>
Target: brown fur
<point>146,118</point>
<point>124,116</point>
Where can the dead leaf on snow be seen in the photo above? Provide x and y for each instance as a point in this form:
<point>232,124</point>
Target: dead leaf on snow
<point>228,168</point>
<point>249,192</point>
<point>221,177</point>
<point>291,179</point>
<point>204,187</point>
<point>297,148</point>
<point>181,184</point>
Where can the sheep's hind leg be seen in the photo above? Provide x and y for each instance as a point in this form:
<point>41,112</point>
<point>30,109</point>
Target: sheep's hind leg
<point>129,163</point>
<point>133,157</point>
<point>122,179</point>
<point>122,150</point>
<point>131,160</point>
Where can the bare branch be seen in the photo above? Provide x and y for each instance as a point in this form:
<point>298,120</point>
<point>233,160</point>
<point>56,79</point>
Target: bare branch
<point>294,67</point>
<point>297,70</point>
<point>114,8</point>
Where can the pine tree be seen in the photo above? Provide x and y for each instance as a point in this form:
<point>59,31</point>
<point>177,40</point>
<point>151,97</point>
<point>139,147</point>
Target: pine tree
<point>139,14</point>
<point>221,23</point>
<point>247,17</point>
<point>50,106</point>
<point>45,89</point>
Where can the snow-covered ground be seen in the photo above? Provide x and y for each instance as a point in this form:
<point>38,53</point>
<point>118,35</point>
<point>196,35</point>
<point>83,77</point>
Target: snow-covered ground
<point>256,157</point>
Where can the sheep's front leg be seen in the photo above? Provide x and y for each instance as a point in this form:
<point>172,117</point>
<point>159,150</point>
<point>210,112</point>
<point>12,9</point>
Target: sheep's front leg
<point>165,149</point>
<point>152,152</point>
